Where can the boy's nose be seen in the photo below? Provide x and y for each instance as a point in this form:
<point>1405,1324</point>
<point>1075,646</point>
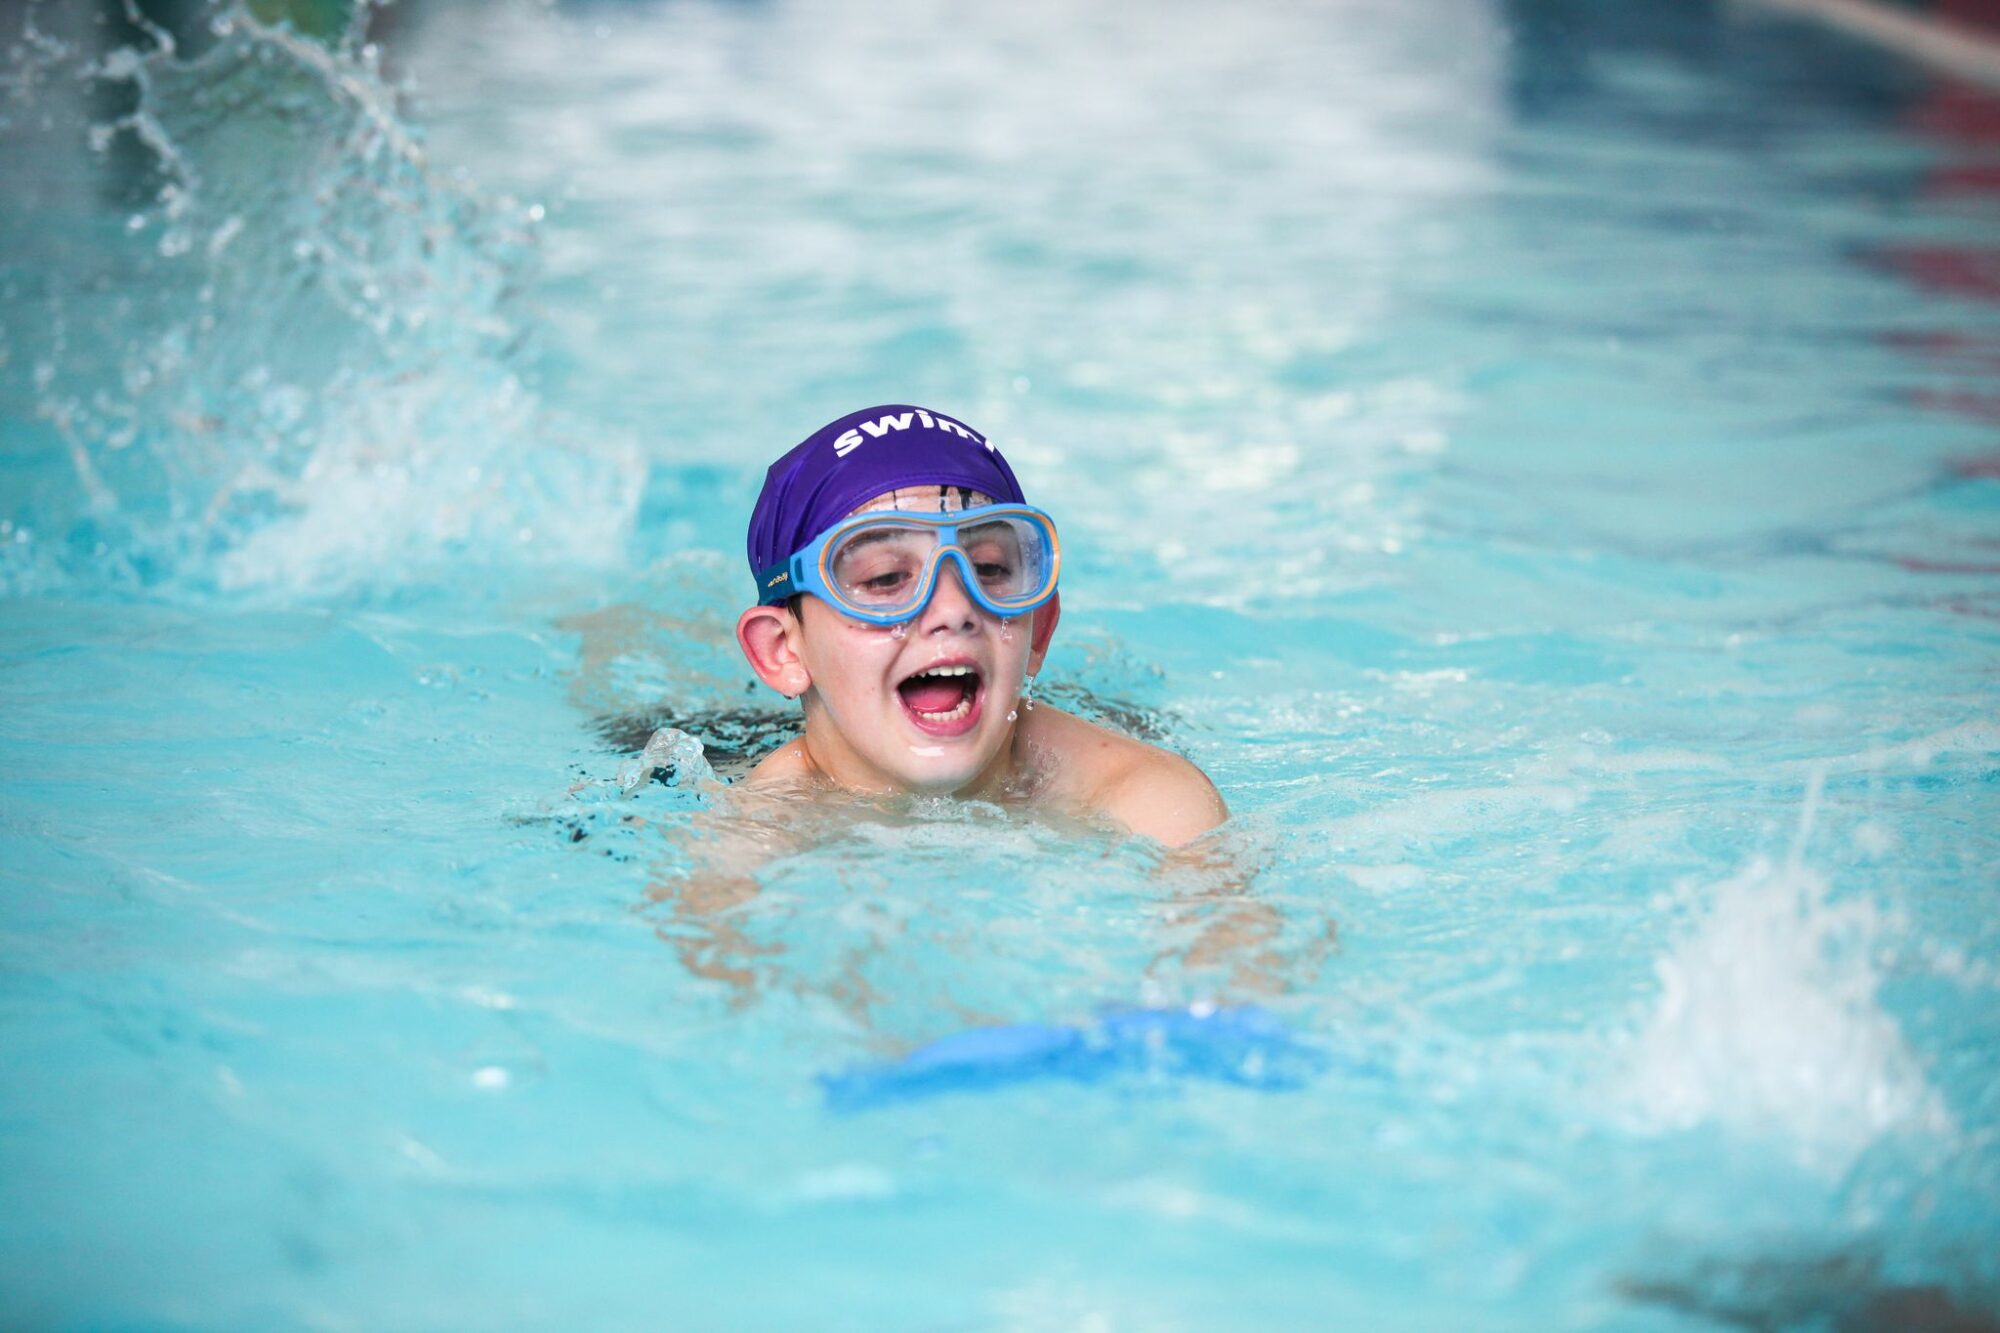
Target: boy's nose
<point>950,607</point>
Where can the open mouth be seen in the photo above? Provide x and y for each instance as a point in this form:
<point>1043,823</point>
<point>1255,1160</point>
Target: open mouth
<point>943,699</point>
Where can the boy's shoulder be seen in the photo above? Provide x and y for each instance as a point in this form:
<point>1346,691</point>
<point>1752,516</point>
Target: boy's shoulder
<point>1149,790</point>
<point>788,763</point>
<point>1143,787</point>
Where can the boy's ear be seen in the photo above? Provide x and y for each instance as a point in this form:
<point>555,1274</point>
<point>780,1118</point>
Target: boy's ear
<point>768,636</point>
<point>1046,617</point>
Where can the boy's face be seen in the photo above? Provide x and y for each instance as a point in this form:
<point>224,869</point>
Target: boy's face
<point>927,705</point>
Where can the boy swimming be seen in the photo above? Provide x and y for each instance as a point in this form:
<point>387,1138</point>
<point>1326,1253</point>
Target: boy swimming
<point>907,596</point>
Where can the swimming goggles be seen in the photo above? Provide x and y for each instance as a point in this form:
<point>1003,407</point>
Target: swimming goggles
<point>882,567</point>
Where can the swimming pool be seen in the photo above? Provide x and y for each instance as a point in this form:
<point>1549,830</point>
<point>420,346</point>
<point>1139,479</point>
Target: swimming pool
<point>1540,461</point>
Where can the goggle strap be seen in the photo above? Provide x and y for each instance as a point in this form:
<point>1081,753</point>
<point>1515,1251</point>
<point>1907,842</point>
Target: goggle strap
<point>776,584</point>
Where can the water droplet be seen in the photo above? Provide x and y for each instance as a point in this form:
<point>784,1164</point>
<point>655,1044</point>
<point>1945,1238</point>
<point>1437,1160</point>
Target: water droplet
<point>1013,715</point>
<point>900,630</point>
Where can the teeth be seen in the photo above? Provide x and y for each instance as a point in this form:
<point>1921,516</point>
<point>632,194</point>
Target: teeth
<point>964,706</point>
<point>950,714</point>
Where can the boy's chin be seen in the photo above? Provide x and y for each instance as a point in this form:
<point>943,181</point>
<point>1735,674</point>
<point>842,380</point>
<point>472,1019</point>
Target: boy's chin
<point>940,766</point>
<point>942,775</point>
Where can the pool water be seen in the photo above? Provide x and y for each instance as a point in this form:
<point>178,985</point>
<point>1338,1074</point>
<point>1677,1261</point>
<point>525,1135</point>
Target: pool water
<point>1543,460</point>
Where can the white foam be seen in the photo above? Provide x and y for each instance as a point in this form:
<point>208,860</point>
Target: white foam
<point>314,382</point>
<point>1768,1023</point>
<point>1976,737</point>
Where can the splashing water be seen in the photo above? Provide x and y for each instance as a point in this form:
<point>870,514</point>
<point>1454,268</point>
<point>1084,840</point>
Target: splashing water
<point>673,754</point>
<point>310,374</point>
<point>1768,1022</point>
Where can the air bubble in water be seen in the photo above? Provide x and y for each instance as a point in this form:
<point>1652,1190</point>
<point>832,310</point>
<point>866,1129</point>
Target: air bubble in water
<point>900,630</point>
<point>1013,715</point>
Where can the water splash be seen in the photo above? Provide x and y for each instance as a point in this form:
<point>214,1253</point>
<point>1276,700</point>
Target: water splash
<point>312,374</point>
<point>1768,1022</point>
<point>674,755</point>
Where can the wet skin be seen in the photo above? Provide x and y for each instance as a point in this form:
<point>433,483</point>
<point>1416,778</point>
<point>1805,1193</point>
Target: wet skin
<point>870,738</point>
<point>863,734</point>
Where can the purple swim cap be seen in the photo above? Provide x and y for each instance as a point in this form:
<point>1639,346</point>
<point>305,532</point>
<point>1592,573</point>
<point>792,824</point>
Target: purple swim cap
<point>858,457</point>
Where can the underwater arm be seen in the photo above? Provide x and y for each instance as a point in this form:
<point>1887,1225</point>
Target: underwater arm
<point>1227,929</point>
<point>708,945</point>
<point>713,919</point>
<point>1163,796</point>
<point>707,881</point>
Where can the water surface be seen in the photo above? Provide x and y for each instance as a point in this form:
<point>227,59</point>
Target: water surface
<point>1540,462</point>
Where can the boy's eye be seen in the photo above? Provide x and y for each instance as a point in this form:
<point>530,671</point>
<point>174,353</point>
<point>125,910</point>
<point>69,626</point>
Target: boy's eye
<point>877,579</point>
<point>996,568</point>
<point>995,552</point>
<point>879,567</point>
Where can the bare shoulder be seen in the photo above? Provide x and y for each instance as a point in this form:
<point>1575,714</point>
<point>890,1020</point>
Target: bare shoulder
<point>1150,791</point>
<point>1163,796</point>
<point>787,763</point>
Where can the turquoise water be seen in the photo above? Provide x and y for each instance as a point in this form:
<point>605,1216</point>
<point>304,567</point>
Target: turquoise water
<point>1541,462</point>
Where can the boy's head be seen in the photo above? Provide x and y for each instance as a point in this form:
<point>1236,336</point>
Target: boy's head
<point>911,672</point>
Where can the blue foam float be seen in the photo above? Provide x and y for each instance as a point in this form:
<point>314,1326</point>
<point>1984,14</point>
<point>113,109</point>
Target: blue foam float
<point>1241,1045</point>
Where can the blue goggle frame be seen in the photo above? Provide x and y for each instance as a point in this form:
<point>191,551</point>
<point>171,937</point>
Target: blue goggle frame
<point>806,571</point>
